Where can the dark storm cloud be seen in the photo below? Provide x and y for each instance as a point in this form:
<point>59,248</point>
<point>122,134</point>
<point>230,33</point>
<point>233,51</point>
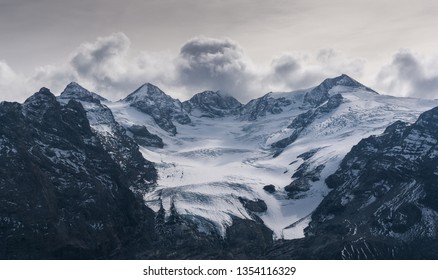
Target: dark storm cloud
<point>95,59</point>
<point>214,64</point>
<point>409,75</point>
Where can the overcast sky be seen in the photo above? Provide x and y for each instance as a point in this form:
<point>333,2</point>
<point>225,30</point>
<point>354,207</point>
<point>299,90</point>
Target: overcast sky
<point>244,47</point>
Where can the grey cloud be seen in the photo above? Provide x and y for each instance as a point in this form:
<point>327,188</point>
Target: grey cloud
<point>54,77</point>
<point>333,62</point>
<point>290,72</point>
<point>296,71</point>
<point>285,66</point>
<point>409,75</point>
<point>13,86</point>
<point>98,60</point>
<point>215,64</point>
<point>108,67</point>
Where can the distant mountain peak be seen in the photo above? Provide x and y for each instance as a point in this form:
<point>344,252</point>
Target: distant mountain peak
<point>321,93</point>
<point>147,89</point>
<point>212,104</point>
<point>40,105</point>
<point>43,94</point>
<point>75,91</point>
<point>74,84</point>
<point>161,107</point>
<point>208,94</point>
<point>342,80</point>
<point>213,93</point>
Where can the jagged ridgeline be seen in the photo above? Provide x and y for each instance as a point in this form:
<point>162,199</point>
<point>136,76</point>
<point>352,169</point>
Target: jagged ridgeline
<point>335,171</point>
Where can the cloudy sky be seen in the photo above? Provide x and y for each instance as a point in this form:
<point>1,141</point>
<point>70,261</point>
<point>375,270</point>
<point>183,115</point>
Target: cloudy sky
<point>243,47</point>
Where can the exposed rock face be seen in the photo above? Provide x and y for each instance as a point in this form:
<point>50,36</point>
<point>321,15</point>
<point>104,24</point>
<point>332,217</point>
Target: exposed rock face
<point>303,176</point>
<point>255,206</point>
<point>143,137</point>
<point>261,106</point>
<point>269,188</point>
<point>161,107</point>
<point>62,194</point>
<point>384,202</point>
<point>212,104</point>
<point>180,238</point>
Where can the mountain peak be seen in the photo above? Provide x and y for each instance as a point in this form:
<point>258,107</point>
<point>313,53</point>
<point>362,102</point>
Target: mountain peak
<point>209,94</point>
<point>161,107</point>
<point>322,92</point>
<point>217,93</point>
<point>74,84</point>
<point>43,94</point>
<point>147,90</point>
<point>342,80</point>
<point>44,90</point>
<point>212,104</point>
<point>37,105</point>
<point>75,91</point>
<point>74,87</point>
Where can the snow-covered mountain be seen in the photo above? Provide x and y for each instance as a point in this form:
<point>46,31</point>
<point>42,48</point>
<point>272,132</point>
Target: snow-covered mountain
<point>229,176</point>
<point>291,140</point>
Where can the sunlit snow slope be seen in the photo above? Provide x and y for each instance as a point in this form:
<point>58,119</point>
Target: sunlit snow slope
<point>212,163</point>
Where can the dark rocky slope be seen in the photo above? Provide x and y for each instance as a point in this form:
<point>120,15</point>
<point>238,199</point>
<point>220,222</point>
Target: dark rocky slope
<point>62,195</point>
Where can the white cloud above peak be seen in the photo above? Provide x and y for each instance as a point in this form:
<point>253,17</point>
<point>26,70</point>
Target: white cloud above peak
<point>110,66</point>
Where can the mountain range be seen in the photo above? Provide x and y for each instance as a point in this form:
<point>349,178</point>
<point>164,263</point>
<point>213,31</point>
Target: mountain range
<point>336,171</point>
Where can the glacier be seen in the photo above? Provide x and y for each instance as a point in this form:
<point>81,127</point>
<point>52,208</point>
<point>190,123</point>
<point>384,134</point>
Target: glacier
<point>209,164</point>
